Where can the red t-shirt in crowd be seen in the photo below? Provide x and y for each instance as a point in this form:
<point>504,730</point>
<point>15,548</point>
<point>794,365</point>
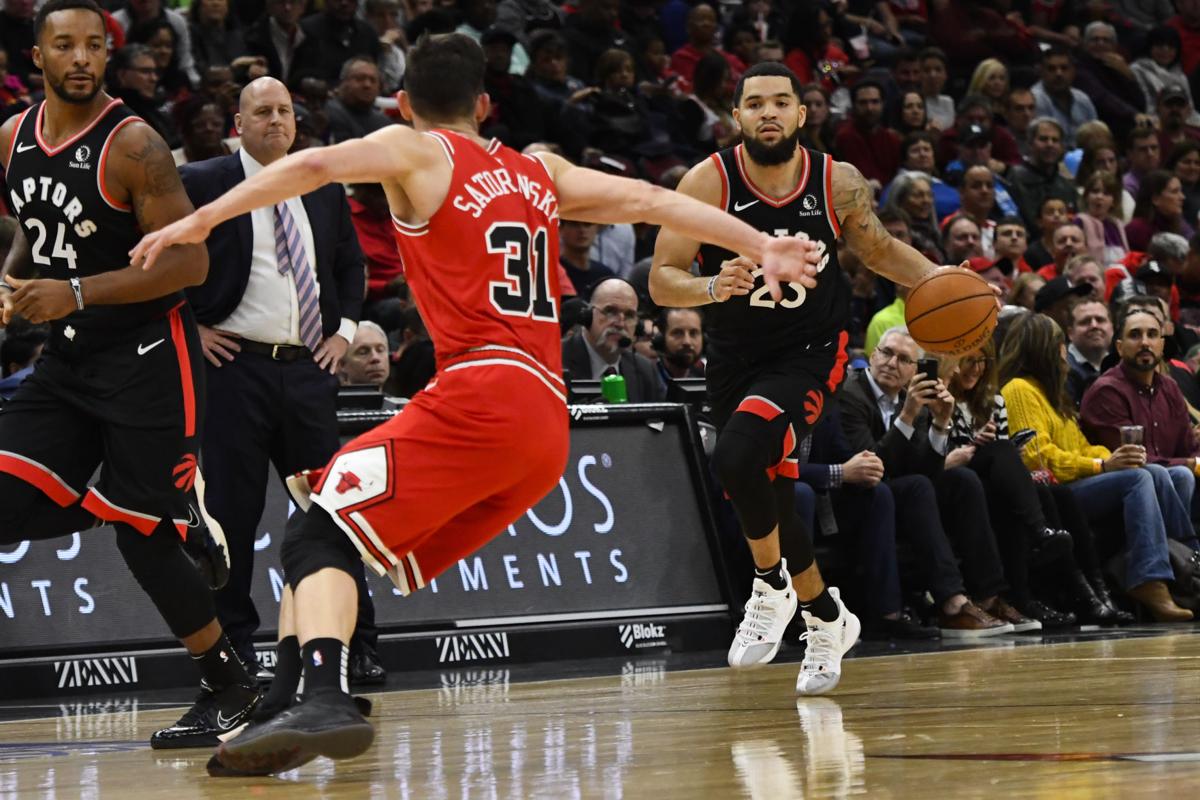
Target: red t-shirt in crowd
<point>685,59</point>
<point>876,154</point>
<point>377,238</point>
<point>1189,55</point>
<point>809,72</point>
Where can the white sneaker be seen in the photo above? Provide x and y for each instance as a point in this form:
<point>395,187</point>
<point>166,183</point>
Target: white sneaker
<point>768,612</point>
<point>827,643</point>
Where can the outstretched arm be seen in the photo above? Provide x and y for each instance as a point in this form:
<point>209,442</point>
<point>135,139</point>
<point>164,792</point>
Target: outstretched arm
<point>393,153</point>
<point>592,196</point>
<point>671,281</point>
<point>853,202</point>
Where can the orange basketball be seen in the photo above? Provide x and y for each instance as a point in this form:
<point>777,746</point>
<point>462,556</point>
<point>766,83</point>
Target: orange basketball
<point>951,311</point>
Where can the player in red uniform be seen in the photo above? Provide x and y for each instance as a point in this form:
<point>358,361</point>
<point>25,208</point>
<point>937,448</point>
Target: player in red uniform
<point>477,225</point>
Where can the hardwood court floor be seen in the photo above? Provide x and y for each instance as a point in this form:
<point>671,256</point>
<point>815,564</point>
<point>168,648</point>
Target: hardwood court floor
<point>1097,719</point>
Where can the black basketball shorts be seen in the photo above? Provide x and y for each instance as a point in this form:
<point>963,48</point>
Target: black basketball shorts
<point>797,384</point>
<point>131,406</point>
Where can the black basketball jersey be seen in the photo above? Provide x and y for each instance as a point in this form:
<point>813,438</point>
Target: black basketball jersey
<point>75,228</point>
<point>754,326</point>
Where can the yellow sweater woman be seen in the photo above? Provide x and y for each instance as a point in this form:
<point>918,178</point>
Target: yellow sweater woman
<point>1033,378</point>
<point>1060,445</point>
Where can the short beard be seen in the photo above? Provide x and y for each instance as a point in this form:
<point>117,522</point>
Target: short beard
<point>681,359</point>
<point>60,91</point>
<point>1137,366</point>
<point>772,155</point>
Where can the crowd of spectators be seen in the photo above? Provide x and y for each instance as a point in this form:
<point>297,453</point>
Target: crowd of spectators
<point>1051,146</point>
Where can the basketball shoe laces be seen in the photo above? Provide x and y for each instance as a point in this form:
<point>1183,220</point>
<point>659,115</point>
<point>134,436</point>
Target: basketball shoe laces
<point>762,610</point>
<point>821,645</point>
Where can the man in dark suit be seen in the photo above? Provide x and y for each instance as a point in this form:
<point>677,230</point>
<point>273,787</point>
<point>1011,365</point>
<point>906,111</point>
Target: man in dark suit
<point>603,347</point>
<point>277,36</point>
<point>336,35</point>
<point>905,421</point>
<point>276,315</point>
<point>867,518</point>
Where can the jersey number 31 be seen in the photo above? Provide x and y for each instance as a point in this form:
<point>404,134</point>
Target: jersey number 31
<point>525,292</point>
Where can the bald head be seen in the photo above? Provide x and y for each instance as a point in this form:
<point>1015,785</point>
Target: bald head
<point>255,89</point>
<point>266,120</point>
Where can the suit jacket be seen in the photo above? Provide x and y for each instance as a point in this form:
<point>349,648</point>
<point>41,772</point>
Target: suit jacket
<point>641,382</point>
<point>862,423</point>
<point>339,261</point>
<point>258,42</point>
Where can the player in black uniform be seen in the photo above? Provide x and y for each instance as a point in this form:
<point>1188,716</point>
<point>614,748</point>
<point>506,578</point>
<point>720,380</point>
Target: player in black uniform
<point>118,387</point>
<point>776,354</point>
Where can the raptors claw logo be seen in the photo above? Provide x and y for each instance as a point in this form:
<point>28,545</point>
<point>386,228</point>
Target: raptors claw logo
<point>347,481</point>
<point>813,405</point>
<point>185,472</point>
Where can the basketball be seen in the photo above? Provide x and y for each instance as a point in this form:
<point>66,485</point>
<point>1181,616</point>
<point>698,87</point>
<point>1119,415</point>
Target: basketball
<point>951,311</point>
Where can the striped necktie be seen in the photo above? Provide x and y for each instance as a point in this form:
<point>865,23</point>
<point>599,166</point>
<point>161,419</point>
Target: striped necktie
<point>290,253</point>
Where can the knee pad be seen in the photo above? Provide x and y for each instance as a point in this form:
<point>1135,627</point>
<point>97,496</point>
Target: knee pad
<point>736,455</point>
<point>750,444</point>
<point>312,542</point>
<point>168,577</point>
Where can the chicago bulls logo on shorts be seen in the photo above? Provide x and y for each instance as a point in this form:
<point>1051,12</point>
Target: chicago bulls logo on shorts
<point>347,481</point>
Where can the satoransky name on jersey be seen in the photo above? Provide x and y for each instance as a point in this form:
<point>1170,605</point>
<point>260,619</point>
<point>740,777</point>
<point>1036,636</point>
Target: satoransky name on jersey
<point>48,190</point>
<point>483,187</point>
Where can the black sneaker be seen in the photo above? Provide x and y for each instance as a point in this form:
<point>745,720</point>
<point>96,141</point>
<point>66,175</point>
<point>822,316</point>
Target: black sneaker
<point>205,543</point>
<point>212,715</point>
<point>262,713</point>
<point>366,669</point>
<point>905,627</point>
<point>324,724</point>
<point>266,709</point>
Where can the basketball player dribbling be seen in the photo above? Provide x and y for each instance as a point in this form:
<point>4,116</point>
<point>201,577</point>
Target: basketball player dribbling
<point>774,362</point>
<point>477,226</point>
<point>116,387</point>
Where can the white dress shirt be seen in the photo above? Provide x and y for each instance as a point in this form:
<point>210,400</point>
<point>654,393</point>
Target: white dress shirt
<point>270,310</point>
<point>890,407</point>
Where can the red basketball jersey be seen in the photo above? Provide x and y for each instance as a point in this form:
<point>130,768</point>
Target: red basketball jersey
<point>484,268</point>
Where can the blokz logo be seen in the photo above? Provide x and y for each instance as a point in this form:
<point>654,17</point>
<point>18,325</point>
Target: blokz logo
<point>120,671</point>
<point>640,635</point>
<point>472,647</point>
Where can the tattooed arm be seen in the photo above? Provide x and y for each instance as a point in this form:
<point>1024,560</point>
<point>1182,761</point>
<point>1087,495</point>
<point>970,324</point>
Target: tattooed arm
<point>853,202</point>
<point>142,173</point>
